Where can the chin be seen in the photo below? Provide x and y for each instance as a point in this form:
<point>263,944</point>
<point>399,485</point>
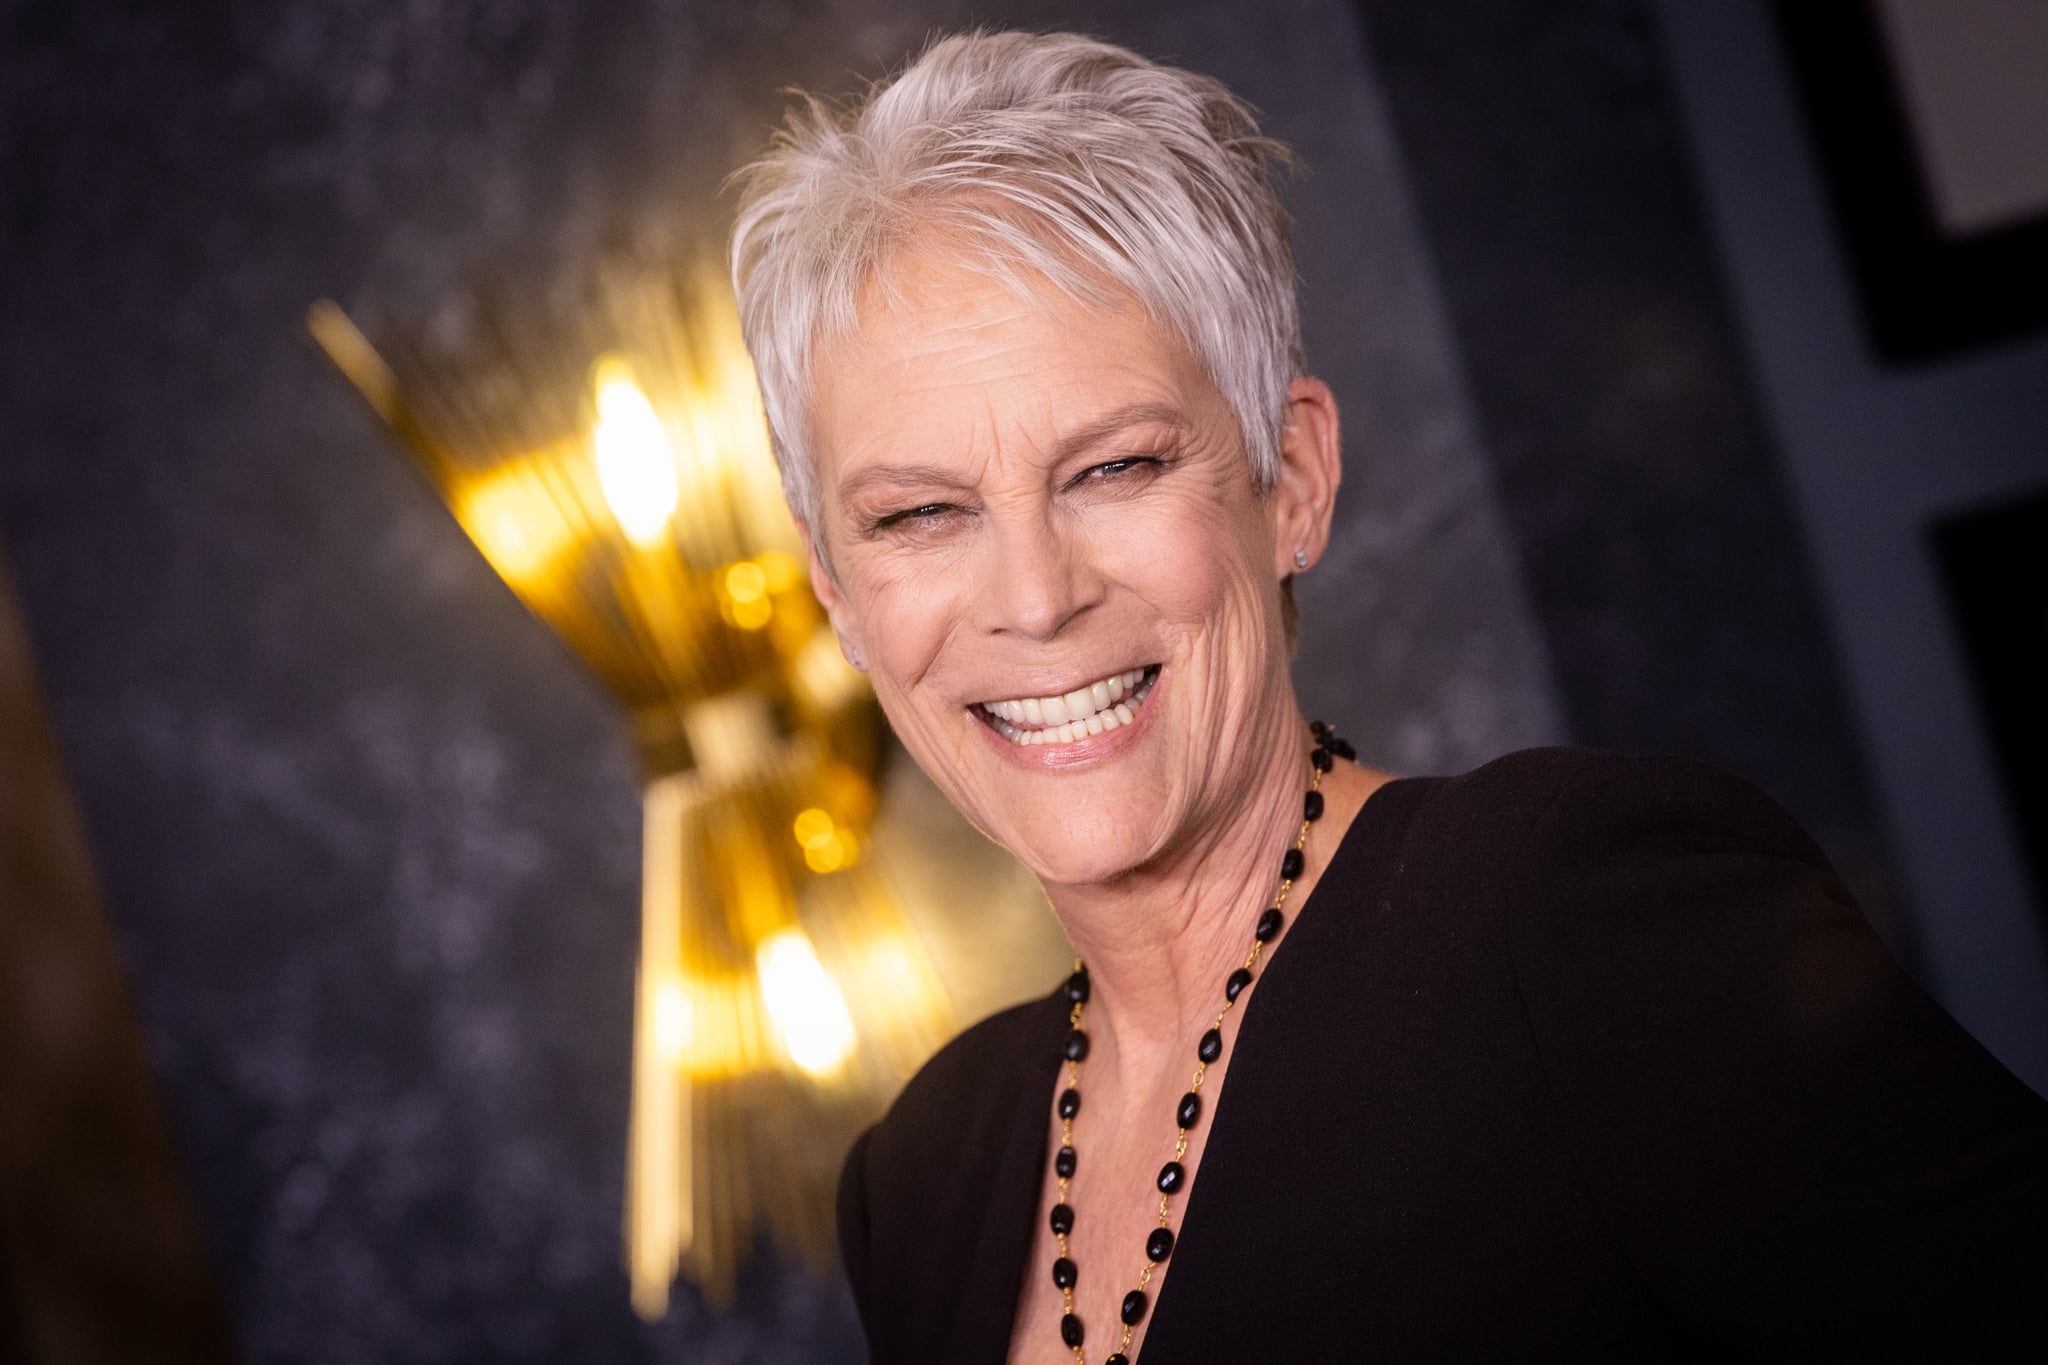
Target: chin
<point>1097,832</point>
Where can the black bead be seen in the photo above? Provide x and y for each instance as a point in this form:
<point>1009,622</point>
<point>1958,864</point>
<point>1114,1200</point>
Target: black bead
<point>1077,987</point>
<point>1190,1110</point>
<point>1118,1359</point>
<point>1171,1175</point>
<point>1318,728</point>
<point>1063,1164</point>
<point>1234,987</point>
<point>1211,1046</point>
<point>1070,1102</point>
<point>1312,806</point>
<point>1063,1273</point>
<point>1076,1046</point>
<point>1134,1307</point>
<point>1070,1330</point>
<point>1062,1219</point>
<point>1159,1245</point>
<point>1321,758</point>
<point>1269,925</point>
<point>1342,748</point>
<point>1290,864</point>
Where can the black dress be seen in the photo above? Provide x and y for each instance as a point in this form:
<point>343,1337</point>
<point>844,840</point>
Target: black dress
<point>1574,1057</point>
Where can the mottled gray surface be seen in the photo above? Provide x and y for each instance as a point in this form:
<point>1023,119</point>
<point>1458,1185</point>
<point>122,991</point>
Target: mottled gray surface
<point>369,837</point>
<point>1665,560</point>
<point>1875,457</point>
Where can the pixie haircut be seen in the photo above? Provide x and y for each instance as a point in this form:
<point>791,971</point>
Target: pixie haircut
<point>1036,157</point>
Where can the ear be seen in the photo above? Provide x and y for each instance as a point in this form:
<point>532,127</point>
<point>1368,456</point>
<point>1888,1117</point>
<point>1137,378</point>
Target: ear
<point>835,605</point>
<point>1311,467</point>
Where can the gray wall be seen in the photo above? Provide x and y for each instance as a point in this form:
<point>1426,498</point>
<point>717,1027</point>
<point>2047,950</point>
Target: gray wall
<point>1874,456</point>
<point>368,836</point>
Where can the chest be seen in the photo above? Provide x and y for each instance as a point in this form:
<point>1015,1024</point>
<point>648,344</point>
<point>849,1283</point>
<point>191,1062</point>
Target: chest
<point>1395,1184</point>
<point>1115,1209</point>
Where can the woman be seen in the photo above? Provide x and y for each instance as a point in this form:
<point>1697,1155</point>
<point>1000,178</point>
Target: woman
<point>1570,1057</point>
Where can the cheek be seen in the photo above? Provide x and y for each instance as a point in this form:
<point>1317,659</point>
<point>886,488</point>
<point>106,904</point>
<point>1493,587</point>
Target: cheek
<point>904,619</point>
<point>1199,562</point>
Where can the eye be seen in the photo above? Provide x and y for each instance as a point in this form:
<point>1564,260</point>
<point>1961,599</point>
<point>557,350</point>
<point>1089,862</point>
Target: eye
<point>928,511</point>
<point>1120,470</point>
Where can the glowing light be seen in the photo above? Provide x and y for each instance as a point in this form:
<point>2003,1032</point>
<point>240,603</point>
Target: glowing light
<point>838,850</point>
<point>746,581</point>
<point>671,1021</point>
<point>516,520</point>
<point>779,571</point>
<point>635,467</point>
<point>804,1004</point>
<point>744,600</point>
<point>813,828</point>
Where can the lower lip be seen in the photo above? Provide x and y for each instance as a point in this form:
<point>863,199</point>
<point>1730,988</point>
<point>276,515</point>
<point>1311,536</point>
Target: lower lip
<point>1094,749</point>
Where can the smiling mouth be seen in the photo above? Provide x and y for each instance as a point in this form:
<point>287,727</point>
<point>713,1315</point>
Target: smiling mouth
<point>1107,704</point>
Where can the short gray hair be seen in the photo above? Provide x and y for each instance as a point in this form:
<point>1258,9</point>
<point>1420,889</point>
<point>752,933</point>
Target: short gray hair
<point>1043,155</point>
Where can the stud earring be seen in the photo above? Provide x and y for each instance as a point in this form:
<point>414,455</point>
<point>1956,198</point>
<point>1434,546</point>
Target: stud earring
<point>854,656</point>
<point>1300,558</point>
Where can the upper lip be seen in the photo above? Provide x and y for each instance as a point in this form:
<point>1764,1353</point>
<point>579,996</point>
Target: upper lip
<point>1059,689</point>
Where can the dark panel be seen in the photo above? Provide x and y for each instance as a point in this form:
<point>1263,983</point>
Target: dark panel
<point>1662,557</point>
<point>101,1255</point>
<point>1994,562</point>
<point>1923,292</point>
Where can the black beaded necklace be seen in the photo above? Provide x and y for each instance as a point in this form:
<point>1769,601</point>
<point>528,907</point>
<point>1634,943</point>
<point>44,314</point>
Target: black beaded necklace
<point>1172,1176</point>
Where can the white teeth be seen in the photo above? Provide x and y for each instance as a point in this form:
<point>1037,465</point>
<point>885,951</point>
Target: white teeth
<point>1085,711</point>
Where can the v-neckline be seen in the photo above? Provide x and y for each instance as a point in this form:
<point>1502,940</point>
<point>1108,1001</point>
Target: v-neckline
<point>1017,1184</point>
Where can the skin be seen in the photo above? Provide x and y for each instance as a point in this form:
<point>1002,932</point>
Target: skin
<point>1020,497</point>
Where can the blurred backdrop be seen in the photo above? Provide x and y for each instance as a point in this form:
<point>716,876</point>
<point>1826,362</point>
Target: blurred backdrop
<point>319,908</point>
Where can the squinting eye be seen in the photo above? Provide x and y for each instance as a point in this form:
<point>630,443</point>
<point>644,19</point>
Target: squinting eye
<point>1110,470</point>
<point>1118,466</point>
<point>921,513</point>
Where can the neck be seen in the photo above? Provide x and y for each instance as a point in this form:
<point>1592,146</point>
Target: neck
<point>1159,940</point>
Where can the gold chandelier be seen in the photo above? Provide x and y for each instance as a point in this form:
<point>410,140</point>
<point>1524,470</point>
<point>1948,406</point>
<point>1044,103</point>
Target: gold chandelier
<point>784,990</point>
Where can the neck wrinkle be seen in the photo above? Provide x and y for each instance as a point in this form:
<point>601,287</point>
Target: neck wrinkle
<point>1159,943</point>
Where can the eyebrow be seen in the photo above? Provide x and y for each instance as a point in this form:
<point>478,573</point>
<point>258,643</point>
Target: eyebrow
<point>1115,423</point>
<point>1073,443</point>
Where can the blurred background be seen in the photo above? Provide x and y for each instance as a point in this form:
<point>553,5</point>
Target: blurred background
<point>1695,383</point>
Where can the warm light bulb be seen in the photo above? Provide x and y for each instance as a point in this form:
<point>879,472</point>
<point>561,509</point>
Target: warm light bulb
<point>804,1004</point>
<point>634,464</point>
<point>813,828</point>
<point>671,1020</point>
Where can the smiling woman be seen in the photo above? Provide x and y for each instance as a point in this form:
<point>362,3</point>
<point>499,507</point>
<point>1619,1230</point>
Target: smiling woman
<point>1570,1057</point>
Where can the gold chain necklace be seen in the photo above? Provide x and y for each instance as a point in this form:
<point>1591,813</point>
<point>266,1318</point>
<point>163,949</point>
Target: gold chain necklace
<point>1173,1175</point>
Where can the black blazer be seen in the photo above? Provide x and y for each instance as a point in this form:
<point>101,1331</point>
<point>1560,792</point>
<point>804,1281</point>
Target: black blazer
<point>1574,1057</point>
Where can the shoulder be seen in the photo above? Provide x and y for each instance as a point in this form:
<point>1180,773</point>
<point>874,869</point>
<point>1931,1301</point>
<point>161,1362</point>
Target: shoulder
<point>1742,1071</point>
<point>961,1104</point>
<point>1582,858</point>
<point>1545,789</point>
<point>1537,820</point>
<point>916,1187</point>
<point>969,1079</point>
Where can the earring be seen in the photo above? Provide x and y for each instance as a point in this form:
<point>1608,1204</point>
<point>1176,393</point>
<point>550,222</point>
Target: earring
<point>1300,558</point>
<point>854,656</point>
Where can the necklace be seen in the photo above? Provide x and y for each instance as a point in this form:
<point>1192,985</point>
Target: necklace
<point>1172,1176</point>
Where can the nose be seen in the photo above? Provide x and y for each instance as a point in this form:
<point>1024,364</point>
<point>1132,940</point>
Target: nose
<point>1036,578</point>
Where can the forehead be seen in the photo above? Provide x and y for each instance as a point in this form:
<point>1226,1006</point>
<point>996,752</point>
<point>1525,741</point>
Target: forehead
<point>947,360</point>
